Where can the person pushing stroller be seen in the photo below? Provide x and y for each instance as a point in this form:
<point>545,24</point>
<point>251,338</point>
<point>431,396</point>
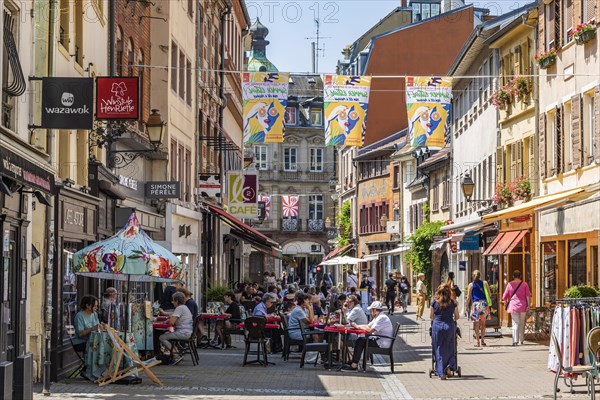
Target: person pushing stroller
<point>444,314</point>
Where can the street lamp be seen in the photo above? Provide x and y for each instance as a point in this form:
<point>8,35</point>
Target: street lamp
<point>155,127</point>
<point>468,188</point>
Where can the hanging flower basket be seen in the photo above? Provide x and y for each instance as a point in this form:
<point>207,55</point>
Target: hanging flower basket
<point>585,32</point>
<point>545,60</point>
<point>585,36</point>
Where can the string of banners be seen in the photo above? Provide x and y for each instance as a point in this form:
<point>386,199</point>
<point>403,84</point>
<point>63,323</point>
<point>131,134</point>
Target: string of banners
<point>346,104</point>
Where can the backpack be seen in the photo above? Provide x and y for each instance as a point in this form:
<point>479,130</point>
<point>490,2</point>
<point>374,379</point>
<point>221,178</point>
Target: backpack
<point>403,286</point>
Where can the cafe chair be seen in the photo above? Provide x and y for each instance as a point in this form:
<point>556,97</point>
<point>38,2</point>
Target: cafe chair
<point>114,372</point>
<point>288,342</point>
<point>254,333</point>
<point>369,351</point>
<point>188,345</point>
<point>568,372</point>
<point>234,330</point>
<point>80,353</point>
<point>308,346</point>
<point>249,305</point>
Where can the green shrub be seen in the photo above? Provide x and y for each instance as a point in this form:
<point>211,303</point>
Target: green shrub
<point>216,293</point>
<point>577,292</point>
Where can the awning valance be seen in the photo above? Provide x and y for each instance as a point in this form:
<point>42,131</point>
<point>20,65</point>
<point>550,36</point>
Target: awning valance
<point>438,245</point>
<point>338,251</point>
<point>505,242</point>
<point>371,257</point>
<point>474,223</point>
<point>530,206</point>
<point>400,249</point>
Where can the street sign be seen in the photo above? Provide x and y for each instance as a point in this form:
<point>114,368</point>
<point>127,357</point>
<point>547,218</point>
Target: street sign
<point>163,190</point>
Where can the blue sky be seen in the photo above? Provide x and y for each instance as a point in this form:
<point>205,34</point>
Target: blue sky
<point>342,22</point>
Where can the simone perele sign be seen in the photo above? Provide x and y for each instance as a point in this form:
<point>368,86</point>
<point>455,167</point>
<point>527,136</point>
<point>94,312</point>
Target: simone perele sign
<point>163,190</point>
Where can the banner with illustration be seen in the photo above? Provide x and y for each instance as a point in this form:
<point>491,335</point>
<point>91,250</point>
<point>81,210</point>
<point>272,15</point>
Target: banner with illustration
<point>242,197</point>
<point>428,101</point>
<point>267,204</point>
<point>264,97</point>
<point>346,103</point>
<point>289,206</point>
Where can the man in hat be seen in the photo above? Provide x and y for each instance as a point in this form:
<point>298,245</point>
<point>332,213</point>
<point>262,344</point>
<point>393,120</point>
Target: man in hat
<point>380,324</point>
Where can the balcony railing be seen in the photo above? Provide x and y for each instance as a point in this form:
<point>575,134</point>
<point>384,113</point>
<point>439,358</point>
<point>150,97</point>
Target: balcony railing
<point>290,225</point>
<point>316,225</point>
<point>290,175</point>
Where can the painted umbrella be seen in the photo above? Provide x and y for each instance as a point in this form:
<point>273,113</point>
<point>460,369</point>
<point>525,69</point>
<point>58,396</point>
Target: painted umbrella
<point>130,255</point>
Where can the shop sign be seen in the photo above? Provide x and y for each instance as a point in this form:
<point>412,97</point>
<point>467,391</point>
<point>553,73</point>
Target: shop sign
<point>242,196</point>
<point>73,217</point>
<point>469,242</point>
<point>208,186</point>
<point>462,265</point>
<point>128,182</point>
<point>117,98</point>
<point>67,103</point>
<point>163,190</point>
<point>19,169</point>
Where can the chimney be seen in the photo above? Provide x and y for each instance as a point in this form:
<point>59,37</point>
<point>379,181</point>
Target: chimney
<point>403,3</point>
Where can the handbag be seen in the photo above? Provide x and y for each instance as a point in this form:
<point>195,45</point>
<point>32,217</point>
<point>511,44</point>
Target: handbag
<point>511,296</point>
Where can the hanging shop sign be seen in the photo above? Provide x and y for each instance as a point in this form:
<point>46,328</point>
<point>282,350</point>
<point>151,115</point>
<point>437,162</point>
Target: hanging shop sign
<point>346,103</point>
<point>67,103</point>
<point>208,186</point>
<point>266,207</point>
<point>242,196</point>
<point>264,97</point>
<point>469,242</point>
<point>25,172</point>
<point>163,190</point>
<point>117,98</point>
<point>428,101</point>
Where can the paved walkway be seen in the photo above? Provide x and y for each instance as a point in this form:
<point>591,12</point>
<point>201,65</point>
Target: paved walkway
<point>498,371</point>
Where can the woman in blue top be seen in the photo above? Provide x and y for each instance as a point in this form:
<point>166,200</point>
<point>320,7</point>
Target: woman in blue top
<point>477,299</point>
<point>86,321</point>
<point>444,314</point>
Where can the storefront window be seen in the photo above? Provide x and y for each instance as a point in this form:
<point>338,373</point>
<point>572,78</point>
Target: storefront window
<point>549,260</point>
<point>577,262</point>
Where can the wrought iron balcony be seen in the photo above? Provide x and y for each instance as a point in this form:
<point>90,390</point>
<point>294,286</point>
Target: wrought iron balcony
<point>290,224</point>
<point>316,225</point>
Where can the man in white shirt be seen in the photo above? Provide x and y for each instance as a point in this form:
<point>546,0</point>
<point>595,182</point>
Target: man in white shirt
<point>380,324</point>
<point>421,295</point>
<point>352,280</point>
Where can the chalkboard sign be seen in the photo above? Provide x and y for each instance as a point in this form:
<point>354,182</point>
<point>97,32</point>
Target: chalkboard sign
<point>494,321</point>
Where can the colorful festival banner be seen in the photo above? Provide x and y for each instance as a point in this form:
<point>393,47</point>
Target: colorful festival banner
<point>346,104</point>
<point>289,205</point>
<point>267,201</point>
<point>241,194</point>
<point>428,101</point>
<point>265,99</point>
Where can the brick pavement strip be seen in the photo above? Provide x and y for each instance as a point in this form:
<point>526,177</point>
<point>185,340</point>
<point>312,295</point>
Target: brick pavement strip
<point>498,371</point>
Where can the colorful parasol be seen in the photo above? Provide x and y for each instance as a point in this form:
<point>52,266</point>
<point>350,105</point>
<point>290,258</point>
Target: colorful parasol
<point>130,255</point>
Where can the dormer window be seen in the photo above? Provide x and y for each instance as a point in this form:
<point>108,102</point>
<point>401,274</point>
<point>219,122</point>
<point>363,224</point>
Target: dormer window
<point>291,116</point>
<point>316,116</point>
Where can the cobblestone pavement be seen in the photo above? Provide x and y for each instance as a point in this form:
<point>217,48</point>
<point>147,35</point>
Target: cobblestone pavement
<point>497,371</point>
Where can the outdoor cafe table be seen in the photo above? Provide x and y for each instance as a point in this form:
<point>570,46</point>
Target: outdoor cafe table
<point>210,317</point>
<point>344,331</point>
<point>99,352</point>
<point>267,326</point>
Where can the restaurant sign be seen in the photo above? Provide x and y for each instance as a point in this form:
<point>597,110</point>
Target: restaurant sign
<point>163,190</point>
<point>117,98</point>
<point>25,172</point>
<point>67,103</point>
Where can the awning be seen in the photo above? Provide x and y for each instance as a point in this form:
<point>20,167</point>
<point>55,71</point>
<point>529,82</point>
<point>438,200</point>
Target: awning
<point>111,189</point>
<point>400,249</point>
<point>505,242</point>
<point>530,206</point>
<point>247,233</point>
<point>438,245</point>
<point>371,257</point>
<point>474,223</point>
<point>336,252</point>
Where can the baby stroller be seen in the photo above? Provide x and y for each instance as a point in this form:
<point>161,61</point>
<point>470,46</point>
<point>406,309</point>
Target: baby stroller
<point>433,369</point>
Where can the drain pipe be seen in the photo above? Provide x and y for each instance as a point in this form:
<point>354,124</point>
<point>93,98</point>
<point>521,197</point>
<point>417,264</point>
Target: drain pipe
<point>50,243</point>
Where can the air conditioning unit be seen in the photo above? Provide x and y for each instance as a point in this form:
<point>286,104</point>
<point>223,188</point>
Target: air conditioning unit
<point>315,248</point>
<point>393,227</point>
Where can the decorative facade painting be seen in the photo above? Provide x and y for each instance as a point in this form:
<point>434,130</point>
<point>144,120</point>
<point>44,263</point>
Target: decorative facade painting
<point>346,103</point>
<point>265,100</point>
<point>428,102</point>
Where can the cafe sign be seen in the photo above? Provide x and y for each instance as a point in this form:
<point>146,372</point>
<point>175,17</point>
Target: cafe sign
<point>25,172</point>
<point>163,190</point>
<point>117,98</point>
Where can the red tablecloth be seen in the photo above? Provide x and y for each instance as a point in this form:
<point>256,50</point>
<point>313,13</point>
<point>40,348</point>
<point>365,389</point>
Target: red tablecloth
<point>214,316</point>
<point>317,325</point>
<point>345,330</point>
<point>267,326</point>
<point>162,326</point>
<point>273,319</point>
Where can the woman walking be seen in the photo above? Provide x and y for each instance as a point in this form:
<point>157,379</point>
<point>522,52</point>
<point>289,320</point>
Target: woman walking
<point>444,314</point>
<point>478,300</point>
<point>516,298</point>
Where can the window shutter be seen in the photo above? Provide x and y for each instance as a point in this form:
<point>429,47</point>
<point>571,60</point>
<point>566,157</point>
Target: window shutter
<point>499,164</point>
<point>542,145</point>
<point>597,119</point>
<point>532,171</point>
<point>512,173</point>
<point>519,171</point>
<point>559,143</point>
<point>576,137</point>
<point>541,27</point>
<point>557,24</point>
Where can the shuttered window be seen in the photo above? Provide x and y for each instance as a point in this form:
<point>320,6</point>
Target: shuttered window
<point>588,9</point>
<point>549,25</point>
<point>567,20</point>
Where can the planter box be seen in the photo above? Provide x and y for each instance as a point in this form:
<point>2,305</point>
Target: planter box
<point>585,37</point>
<point>547,62</point>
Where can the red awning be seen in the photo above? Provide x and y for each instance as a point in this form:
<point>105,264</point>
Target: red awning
<point>505,242</point>
<point>252,235</point>
<point>336,252</point>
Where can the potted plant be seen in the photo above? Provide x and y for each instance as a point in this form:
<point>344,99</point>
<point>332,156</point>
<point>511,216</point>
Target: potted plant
<point>503,194</point>
<point>585,32</point>
<point>578,292</point>
<point>546,59</point>
<point>502,97</point>
<point>521,189</point>
<point>521,87</point>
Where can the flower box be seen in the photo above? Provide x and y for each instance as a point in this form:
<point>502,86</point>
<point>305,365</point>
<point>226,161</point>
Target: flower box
<point>547,62</point>
<point>585,36</point>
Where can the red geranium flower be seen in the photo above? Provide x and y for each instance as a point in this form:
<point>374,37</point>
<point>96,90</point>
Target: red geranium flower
<point>164,268</point>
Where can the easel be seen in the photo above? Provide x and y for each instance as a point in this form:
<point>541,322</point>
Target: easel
<point>114,373</point>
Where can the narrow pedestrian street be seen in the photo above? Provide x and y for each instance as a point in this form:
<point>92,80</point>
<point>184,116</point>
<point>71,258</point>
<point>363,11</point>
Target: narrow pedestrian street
<point>498,371</point>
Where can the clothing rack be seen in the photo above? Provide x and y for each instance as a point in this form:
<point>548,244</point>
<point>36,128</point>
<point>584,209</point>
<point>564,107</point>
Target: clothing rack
<point>582,300</point>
